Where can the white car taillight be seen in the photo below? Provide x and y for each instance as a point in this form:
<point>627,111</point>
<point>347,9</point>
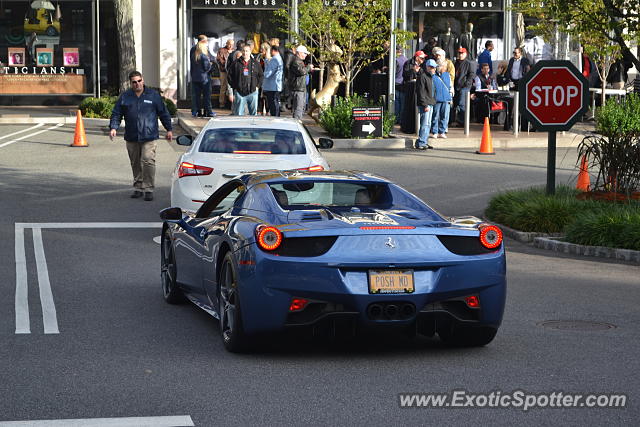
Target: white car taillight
<point>189,169</point>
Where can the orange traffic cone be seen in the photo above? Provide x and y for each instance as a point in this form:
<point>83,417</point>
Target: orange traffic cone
<point>486,145</point>
<point>80,138</point>
<point>583,177</point>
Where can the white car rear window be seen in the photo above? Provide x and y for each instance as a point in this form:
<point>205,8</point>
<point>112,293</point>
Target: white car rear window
<point>252,141</point>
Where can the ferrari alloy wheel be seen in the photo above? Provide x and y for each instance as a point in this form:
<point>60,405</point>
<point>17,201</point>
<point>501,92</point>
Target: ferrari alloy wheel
<point>171,291</point>
<point>233,336</point>
<point>460,336</point>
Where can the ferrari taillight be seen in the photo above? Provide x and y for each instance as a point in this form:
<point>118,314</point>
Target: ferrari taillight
<point>268,237</point>
<point>314,168</point>
<point>298,304</point>
<point>472,301</point>
<point>490,236</point>
<point>189,169</point>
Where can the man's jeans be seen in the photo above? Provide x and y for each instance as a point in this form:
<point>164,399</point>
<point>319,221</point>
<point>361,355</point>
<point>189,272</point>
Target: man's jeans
<point>425,125</point>
<point>273,102</point>
<point>298,103</point>
<point>440,121</point>
<point>459,104</point>
<point>239,101</point>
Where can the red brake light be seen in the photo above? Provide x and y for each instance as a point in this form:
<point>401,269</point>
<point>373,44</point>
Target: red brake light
<point>189,169</point>
<point>472,301</point>
<point>251,152</point>
<point>490,236</point>
<point>315,168</point>
<point>268,237</point>
<point>298,304</point>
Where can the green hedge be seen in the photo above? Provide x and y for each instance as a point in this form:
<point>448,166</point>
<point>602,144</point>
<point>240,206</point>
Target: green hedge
<point>100,108</point>
<point>336,119</point>
<point>585,222</point>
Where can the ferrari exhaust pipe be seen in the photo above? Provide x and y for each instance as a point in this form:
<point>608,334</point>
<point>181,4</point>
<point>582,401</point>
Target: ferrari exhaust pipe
<point>391,311</point>
<point>408,310</point>
<point>374,311</point>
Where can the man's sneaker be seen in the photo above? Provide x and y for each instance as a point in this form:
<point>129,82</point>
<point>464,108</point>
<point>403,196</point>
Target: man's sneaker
<point>430,147</point>
<point>148,196</point>
<point>433,135</point>
<point>422,147</point>
<point>443,135</point>
<point>136,194</point>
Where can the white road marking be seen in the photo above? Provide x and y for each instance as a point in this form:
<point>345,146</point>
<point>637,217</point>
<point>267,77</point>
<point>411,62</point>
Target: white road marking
<point>49,318</point>
<point>30,135</point>
<point>22,291</point>
<point>23,130</point>
<point>168,421</point>
<point>157,239</point>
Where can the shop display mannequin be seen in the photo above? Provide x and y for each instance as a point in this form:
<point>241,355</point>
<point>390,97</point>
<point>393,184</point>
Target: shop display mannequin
<point>258,38</point>
<point>468,42</point>
<point>447,41</point>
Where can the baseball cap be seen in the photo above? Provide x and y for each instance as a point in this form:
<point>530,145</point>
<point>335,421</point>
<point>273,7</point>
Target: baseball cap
<point>420,53</point>
<point>462,50</point>
<point>432,63</point>
<point>302,49</point>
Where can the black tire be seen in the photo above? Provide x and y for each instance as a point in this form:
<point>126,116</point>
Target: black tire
<point>51,32</point>
<point>168,269</point>
<point>234,338</point>
<point>465,336</point>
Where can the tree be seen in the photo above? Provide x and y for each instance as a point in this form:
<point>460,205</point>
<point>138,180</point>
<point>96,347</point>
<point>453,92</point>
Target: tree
<point>126,41</point>
<point>351,34</point>
<point>589,21</point>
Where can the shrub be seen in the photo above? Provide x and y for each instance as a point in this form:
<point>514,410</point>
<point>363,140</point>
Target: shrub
<point>336,119</point>
<point>586,222</point>
<point>97,107</point>
<point>618,227</point>
<point>615,153</point>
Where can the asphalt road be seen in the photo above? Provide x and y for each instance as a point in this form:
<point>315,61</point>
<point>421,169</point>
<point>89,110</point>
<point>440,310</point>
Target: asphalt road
<point>120,351</point>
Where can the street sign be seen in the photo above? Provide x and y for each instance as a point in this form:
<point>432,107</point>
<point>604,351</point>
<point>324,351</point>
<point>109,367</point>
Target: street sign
<point>367,121</point>
<point>554,96</point>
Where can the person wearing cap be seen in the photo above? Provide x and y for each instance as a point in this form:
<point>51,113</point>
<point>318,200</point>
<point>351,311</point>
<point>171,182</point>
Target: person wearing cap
<point>441,59</point>
<point>425,99</point>
<point>442,93</point>
<point>409,75</point>
<point>462,84</point>
<point>298,72</point>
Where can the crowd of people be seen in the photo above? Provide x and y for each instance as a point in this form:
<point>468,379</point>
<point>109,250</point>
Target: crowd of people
<point>438,86</point>
<point>250,83</point>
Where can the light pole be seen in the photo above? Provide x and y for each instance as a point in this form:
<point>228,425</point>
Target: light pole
<point>391,71</point>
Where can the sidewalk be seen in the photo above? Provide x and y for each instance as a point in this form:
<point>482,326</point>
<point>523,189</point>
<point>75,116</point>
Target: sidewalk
<point>455,138</point>
<point>398,140</point>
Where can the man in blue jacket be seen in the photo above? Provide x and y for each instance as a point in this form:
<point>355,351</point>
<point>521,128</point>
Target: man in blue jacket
<point>485,57</point>
<point>141,108</point>
<point>272,85</point>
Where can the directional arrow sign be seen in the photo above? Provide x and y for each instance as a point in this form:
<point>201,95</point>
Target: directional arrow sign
<point>369,128</point>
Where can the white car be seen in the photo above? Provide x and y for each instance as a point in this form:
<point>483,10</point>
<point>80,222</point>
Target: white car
<point>233,145</point>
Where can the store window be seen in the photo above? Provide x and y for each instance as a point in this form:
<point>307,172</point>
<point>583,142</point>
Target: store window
<point>47,49</point>
<point>456,23</point>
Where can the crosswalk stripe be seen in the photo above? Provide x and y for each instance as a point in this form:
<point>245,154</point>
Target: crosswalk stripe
<point>49,318</point>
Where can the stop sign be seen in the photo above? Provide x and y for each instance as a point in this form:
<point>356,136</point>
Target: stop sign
<point>554,95</point>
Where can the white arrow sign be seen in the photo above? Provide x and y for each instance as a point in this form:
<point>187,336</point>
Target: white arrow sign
<point>368,128</point>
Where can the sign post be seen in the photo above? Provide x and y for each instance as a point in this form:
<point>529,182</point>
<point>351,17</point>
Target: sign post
<point>554,96</point>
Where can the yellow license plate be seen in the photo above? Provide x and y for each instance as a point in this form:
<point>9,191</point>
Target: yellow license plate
<point>391,281</point>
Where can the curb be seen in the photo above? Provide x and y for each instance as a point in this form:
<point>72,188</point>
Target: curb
<point>557,245</point>
<point>553,242</point>
<point>63,120</point>
<point>371,144</point>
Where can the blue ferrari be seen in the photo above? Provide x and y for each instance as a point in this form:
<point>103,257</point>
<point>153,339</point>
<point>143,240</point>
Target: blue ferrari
<point>339,251</point>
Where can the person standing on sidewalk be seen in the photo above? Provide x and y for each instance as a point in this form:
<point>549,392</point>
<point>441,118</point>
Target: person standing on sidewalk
<point>272,86</point>
<point>298,73</point>
<point>442,91</point>
<point>425,100</point>
<point>221,58</point>
<point>399,102</point>
<point>201,81</point>
<point>462,85</point>
<point>141,109</point>
<point>245,77</point>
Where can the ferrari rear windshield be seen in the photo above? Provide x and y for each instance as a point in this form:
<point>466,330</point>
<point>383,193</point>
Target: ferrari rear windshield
<point>341,195</point>
<point>252,141</point>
